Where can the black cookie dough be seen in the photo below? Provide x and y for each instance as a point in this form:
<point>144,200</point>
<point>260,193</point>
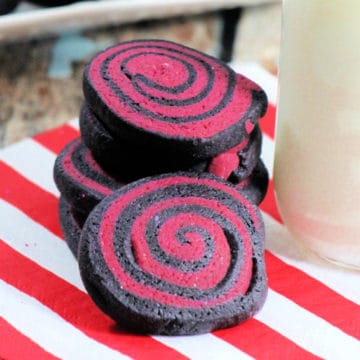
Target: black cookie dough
<point>71,223</point>
<point>255,186</point>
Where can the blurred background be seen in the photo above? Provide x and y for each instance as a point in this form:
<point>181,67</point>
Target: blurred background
<point>43,50</point>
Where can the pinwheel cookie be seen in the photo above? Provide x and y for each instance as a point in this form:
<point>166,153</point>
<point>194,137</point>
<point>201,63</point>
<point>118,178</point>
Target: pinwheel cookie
<point>166,96</point>
<point>175,254</point>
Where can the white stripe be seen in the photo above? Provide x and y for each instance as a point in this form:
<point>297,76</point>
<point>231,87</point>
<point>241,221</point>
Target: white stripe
<point>74,123</point>
<point>259,75</point>
<point>279,242</point>
<point>308,330</point>
<point>207,346</point>
<point>48,329</point>
<point>37,243</point>
<point>267,153</point>
<point>33,161</point>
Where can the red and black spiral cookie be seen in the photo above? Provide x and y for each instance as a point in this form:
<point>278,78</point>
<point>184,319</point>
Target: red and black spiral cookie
<point>71,223</point>
<point>118,157</point>
<point>172,97</point>
<point>125,160</point>
<point>175,254</point>
<point>79,178</point>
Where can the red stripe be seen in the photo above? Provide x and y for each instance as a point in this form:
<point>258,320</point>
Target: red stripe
<point>267,123</point>
<point>15,345</point>
<point>269,203</point>
<point>38,204</point>
<point>56,139</point>
<point>313,295</point>
<point>262,342</point>
<point>76,307</point>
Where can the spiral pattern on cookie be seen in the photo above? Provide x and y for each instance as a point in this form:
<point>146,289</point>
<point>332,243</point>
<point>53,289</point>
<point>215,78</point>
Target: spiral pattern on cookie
<point>175,241</point>
<point>80,179</point>
<point>168,89</point>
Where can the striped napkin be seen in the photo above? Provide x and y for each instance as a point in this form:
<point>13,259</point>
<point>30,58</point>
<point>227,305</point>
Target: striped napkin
<point>312,310</point>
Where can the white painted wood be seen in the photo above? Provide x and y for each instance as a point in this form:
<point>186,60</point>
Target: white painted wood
<point>93,13</point>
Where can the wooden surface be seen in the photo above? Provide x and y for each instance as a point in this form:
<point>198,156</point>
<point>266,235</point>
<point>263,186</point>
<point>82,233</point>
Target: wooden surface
<point>40,78</point>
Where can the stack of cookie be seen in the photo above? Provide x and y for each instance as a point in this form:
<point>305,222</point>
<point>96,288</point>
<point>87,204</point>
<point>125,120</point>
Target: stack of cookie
<point>167,177</point>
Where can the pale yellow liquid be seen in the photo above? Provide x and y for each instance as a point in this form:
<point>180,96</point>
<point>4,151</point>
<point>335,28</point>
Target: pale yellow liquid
<point>317,156</point>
